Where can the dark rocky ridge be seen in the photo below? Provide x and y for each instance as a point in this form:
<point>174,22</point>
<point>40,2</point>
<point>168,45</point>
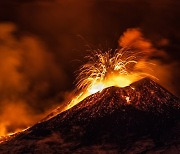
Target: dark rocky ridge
<point>141,118</point>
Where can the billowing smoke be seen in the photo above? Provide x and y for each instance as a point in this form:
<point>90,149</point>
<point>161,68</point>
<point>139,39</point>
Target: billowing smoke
<point>29,79</point>
<point>150,59</point>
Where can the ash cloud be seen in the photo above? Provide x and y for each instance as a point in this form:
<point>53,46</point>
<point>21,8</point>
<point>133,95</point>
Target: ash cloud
<point>28,75</point>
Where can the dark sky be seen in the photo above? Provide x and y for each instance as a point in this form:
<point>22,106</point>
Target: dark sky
<point>68,28</point>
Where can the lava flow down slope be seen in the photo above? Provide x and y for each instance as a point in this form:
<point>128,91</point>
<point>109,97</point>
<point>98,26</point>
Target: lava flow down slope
<point>140,118</point>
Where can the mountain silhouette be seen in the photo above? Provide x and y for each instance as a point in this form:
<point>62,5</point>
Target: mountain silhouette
<point>140,118</point>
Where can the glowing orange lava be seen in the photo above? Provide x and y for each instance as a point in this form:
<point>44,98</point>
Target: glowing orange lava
<point>103,70</point>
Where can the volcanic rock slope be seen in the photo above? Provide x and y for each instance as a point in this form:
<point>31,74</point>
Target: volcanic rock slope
<point>140,118</point>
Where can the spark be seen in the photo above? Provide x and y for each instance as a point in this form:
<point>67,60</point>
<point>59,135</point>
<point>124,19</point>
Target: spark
<point>101,67</point>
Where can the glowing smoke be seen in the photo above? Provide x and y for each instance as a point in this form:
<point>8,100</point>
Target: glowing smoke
<point>27,75</point>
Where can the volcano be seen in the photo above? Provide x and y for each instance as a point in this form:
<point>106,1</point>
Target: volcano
<point>140,118</point>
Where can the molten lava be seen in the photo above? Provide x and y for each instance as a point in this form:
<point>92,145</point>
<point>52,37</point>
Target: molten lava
<point>127,64</point>
<point>103,70</point>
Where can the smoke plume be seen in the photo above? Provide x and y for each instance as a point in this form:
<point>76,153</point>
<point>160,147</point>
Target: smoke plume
<point>28,75</point>
<point>150,59</point>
